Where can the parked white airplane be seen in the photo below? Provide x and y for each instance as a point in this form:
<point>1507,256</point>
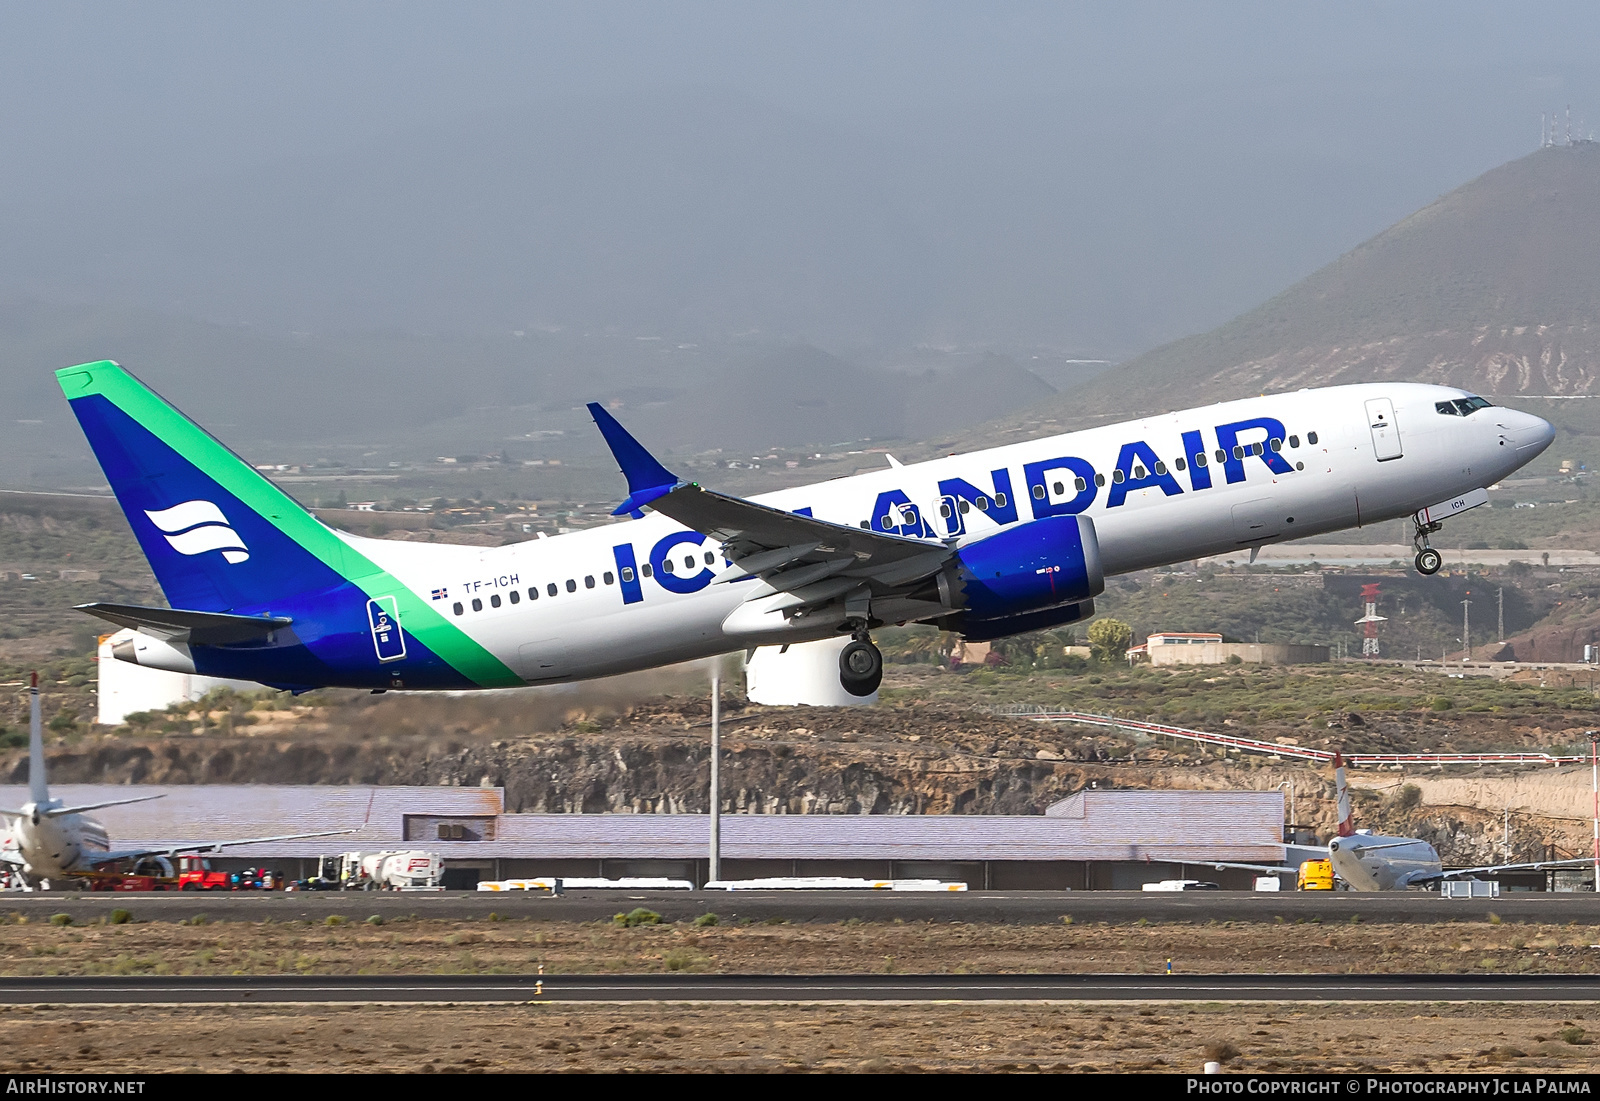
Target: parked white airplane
<point>1365,861</point>
<point>45,840</point>
<point>988,544</point>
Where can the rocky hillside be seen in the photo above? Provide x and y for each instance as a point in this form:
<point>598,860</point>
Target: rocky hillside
<point>1495,287</point>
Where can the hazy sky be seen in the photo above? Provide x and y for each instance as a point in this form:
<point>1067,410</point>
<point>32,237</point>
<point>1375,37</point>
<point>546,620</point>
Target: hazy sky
<point>1257,141</point>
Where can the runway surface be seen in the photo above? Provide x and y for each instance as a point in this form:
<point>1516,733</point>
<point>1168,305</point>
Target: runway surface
<point>999,907</point>
<point>421,990</point>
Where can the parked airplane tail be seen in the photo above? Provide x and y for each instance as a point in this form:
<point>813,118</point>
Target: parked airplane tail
<point>221,538</point>
<point>1347,825</point>
<point>38,786</point>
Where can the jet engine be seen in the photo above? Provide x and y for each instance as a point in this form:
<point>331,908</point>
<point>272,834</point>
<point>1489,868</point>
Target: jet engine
<point>1036,575</point>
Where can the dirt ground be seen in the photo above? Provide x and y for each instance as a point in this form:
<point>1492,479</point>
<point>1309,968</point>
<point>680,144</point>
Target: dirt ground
<point>521,947</point>
<point>806,1037</point>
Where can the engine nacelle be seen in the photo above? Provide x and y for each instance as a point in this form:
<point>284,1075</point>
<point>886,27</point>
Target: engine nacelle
<point>987,630</point>
<point>1032,567</point>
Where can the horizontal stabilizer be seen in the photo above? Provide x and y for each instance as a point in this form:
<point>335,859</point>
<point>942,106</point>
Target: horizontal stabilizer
<point>199,628</point>
<point>60,812</point>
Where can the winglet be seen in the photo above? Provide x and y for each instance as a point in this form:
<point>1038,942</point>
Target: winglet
<point>647,478</point>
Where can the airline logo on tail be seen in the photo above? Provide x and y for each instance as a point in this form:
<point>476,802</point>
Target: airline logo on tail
<point>1347,825</point>
<point>195,527</point>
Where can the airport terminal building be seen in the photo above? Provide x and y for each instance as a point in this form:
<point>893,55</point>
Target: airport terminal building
<point>1094,840</point>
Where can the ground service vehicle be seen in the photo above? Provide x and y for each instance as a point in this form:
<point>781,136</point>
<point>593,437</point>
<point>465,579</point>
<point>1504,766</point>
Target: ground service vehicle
<point>1314,875</point>
<point>403,870</point>
<point>195,874</point>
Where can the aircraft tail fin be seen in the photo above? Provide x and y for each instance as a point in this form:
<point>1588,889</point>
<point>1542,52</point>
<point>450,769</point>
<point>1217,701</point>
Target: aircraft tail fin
<point>218,534</point>
<point>38,784</point>
<point>1347,825</point>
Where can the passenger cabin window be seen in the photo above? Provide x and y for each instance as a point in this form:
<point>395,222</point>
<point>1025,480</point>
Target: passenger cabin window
<point>1180,464</point>
<point>1079,484</point>
<point>608,577</point>
<point>1222,456</point>
<point>1275,443</point>
<point>667,566</point>
<point>516,597</point>
<point>1099,479</point>
<point>572,586</point>
<point>1294,441</point>
<point>457,608</point>
<point>1038,491</point>
<point>1118,476</point>
<point>588,581</point>
<point>551,588</point>
<point>983,504</point>
<point>711,560</point>
<point>964,506</point>
<point>688,561</point>
<point>533,593</point>
<point>494,601</point>
<point>646,568</point>
<point>1161,468</point>
<point>627,574</point>
<point>1059,487</point>
<point>1311,438</point>
<point>477,605</point>
<point>1000,500</point>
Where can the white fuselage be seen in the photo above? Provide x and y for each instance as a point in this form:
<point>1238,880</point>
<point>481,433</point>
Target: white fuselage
<point>639,594</point>
<point>55,847</point>
<point>1369,862</point>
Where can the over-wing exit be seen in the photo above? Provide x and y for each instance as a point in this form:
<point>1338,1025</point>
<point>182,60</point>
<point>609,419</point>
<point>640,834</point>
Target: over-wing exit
<point>988,544</point>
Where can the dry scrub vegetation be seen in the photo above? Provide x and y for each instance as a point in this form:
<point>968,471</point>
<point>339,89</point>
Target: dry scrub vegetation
<point>787,1037</point>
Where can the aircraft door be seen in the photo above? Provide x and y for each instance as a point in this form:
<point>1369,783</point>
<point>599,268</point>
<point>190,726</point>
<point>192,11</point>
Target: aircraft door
<point>383,616</point>
<point>1385,432</point>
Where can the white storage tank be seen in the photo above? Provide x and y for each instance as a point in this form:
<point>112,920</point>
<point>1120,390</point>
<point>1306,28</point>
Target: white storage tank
<point>804,673</point>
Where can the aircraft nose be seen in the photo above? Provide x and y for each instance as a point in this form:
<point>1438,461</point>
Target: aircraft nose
<point>1529,434</point>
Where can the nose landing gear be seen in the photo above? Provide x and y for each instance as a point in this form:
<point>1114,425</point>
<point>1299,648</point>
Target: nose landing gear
<point>860,666</point>
<point>1428,560</point>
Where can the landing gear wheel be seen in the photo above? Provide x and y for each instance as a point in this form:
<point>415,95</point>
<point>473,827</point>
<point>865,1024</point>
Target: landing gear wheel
<point>1429,561</point>
<point>860,668</point>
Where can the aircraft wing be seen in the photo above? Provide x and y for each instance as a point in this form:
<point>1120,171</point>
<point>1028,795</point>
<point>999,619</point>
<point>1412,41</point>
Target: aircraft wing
<point>208,846</point>
<point>201,628</point>
<point>809,558</point>
<point>1538,865</point>
<point>1270,869</point>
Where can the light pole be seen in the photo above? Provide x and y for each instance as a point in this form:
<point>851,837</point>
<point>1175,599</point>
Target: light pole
<point>1466,631</point>
<point>714,865</point>
<point>1594,776</point>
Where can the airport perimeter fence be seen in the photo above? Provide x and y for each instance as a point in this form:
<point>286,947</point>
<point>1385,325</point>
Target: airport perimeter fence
<point>1279,749</point>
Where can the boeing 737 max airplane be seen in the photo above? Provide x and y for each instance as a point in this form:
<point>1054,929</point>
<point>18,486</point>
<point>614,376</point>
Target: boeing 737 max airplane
<point>987,544</point>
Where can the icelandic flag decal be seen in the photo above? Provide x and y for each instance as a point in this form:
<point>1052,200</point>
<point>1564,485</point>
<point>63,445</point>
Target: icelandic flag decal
<point>440,594</point>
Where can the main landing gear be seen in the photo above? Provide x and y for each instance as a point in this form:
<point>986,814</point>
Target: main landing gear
<point>1428,560</point>
<point>860,665</point>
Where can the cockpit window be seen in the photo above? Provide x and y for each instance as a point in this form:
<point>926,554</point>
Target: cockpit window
<point>1462,407</point>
